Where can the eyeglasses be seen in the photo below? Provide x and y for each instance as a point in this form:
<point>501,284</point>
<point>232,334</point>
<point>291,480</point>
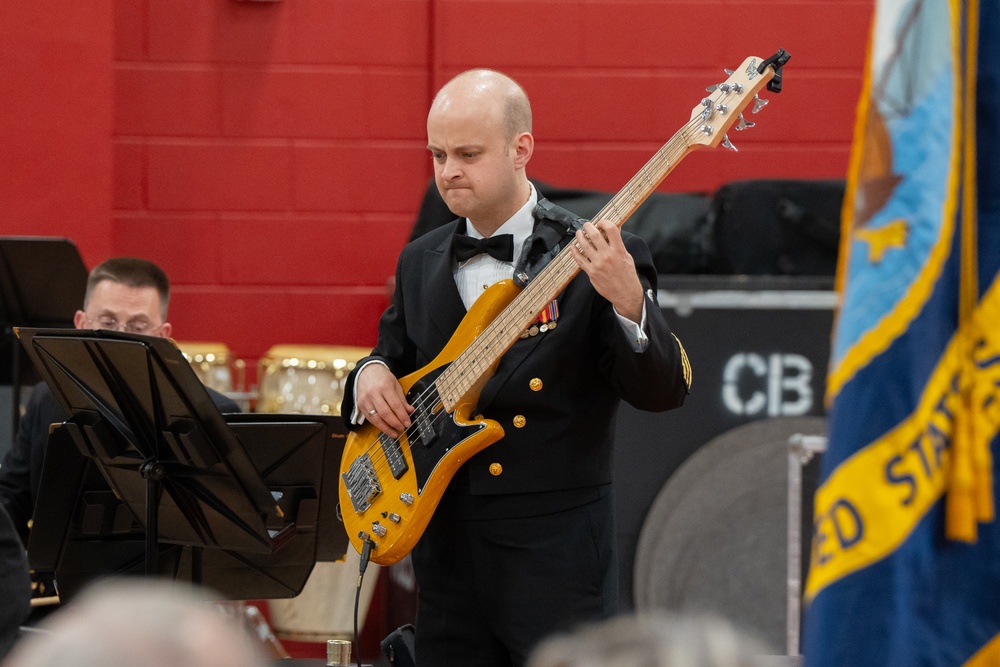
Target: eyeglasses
<point>136,326</point>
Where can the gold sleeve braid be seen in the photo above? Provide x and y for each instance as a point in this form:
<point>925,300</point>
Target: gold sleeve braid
<point>685,364</point>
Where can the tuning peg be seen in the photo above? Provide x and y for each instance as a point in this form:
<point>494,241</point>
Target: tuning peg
<point>706,113</point>
<point>758,104</point>
<point>714,87</point>
<point>729,72</point>
<point>726,143</point>
<point>743,124</point>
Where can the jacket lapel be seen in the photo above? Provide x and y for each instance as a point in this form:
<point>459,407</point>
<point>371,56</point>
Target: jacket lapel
<point>510,362</point>
<point>443,302</point>
<point>552,227</point>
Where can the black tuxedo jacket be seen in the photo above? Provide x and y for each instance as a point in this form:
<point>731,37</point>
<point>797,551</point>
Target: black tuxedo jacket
<point>556,394</point>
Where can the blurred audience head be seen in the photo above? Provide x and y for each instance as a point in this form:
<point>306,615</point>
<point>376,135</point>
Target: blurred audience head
<point>138,622</point>
<point>651,640</point>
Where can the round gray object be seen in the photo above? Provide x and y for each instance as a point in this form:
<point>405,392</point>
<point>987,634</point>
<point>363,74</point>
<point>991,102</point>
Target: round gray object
<point>715,539</point>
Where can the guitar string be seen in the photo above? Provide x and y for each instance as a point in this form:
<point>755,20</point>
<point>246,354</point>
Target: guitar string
<point>429,399</point>
<point>497,331</point>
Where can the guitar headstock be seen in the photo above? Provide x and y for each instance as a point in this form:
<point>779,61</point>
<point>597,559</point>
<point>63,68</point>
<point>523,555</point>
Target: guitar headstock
<point>723,108</point>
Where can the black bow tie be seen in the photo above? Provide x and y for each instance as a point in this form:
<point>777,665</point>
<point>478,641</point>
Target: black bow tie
<point>500,247</point>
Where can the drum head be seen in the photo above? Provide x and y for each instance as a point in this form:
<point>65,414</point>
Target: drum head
<point>716,537</point>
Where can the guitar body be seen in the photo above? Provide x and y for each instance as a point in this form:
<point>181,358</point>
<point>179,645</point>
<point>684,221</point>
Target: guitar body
<point>403,505</point>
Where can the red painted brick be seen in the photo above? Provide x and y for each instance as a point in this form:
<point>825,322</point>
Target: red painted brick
<point>213,32</point>
<point>711,34</point>
<point>811,108</point>
<point>188,248</point>
<point>167,102</point>
<point>184,30</point>
<point>55,123</point>
<point>129,171</point>
<point>251,321</point>
<point>598,168</point>
<point>361,32</point>
<point>130,29</point>
<point>279,102</point>
<point>360,177</point>
<point>572,106</point>
<point>391,32</point>
<point>311,251</point>
<point>213,176</point>
<point>504,34</point>
<point>397,105</point>
<point>324,104</point>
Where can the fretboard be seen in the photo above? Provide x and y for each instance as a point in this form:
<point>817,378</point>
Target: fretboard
<point>498,337</point>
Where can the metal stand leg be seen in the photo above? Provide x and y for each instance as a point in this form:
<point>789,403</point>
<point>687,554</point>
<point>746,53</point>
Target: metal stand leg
<point>801,449</point>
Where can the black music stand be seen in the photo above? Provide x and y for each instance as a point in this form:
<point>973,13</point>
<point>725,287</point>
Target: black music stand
<point>42,284</point>
<point>147,477</point>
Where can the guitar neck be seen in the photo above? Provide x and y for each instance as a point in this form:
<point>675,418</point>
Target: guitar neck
<point>706,128</point>
<point>498,337</point>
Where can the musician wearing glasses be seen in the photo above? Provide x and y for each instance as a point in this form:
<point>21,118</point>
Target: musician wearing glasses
<point>522,542</point>
<point>123,294</point>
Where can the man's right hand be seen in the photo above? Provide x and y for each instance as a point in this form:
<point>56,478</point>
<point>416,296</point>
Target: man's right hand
<point>380,399</point>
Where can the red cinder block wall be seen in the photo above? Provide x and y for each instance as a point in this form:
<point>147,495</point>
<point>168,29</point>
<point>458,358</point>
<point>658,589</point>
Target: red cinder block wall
<point>56,112</point>
<point>270,155</point>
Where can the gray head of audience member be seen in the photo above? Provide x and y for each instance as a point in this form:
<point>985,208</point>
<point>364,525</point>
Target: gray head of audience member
<point>138,622</point>
<point>652,640</point>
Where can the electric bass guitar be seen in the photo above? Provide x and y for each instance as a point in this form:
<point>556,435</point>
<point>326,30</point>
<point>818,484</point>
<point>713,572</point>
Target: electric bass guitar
<point>389,486</point>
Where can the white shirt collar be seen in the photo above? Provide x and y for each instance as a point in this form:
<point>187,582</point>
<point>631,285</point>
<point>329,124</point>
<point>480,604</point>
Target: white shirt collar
<point>520,225</point>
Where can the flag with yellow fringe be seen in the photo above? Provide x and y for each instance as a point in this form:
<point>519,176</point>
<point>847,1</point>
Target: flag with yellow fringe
<point>905,562</point>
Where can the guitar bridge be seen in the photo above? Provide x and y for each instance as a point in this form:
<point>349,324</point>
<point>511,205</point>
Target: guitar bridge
<point>362,483</point>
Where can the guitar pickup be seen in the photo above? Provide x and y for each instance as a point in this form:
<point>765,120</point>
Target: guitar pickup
<point>393,456</point>
<point>425,430</point>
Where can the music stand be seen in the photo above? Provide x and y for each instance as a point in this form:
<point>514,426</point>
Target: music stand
<point>42,284</point>
<point>245,506</point>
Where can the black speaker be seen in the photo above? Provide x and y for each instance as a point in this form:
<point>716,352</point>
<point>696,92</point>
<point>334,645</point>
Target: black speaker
<point>783,227</point>
<point>759,348</point>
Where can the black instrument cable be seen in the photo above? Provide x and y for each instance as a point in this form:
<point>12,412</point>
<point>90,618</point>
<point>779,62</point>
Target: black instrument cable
<point>366,553</point>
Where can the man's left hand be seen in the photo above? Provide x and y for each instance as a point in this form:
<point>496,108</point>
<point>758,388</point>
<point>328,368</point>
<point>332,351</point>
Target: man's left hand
<point>600,252</point>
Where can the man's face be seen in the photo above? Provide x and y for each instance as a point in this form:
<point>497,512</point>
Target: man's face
<point>474,163</point>
<point>118,307</point>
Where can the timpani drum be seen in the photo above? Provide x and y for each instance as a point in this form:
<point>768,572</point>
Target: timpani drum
<point>212,363</point>
<point>309,379</point>
<point>305,379</point>
<point>217,368</point>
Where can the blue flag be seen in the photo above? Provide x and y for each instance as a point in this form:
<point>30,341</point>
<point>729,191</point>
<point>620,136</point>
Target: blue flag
<point>905,563</point>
